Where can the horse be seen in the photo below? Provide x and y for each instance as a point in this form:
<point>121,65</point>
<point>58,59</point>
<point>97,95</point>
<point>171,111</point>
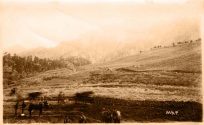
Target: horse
<point>38,106</point>
<point>106,116</point>
<point>35,107</point>
<point>113,116</point>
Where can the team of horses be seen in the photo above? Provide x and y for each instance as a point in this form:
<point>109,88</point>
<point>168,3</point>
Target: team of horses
<point>31,106</point>
<point>36,102</point>
<point>39,104</point>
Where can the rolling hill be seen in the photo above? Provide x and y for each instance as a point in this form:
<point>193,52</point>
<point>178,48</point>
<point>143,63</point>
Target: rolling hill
<point>185,57</point>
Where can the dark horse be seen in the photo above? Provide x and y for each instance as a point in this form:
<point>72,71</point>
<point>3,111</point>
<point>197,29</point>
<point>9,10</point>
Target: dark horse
<point>38,106</point>
<point>109,116</point>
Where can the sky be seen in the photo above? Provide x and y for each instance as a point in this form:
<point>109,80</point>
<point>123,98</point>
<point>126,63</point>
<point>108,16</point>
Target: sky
<point>46,24</point>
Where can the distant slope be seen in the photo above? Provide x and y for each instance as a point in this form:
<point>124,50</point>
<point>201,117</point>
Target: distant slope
<point>93,51</point>
<point>185,57</point>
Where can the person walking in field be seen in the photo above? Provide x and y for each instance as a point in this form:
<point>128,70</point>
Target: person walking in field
<point>16,108</point>
<point>61,98</point>
<point>67,119</point>
<point>116,116</point>
<point>23,106</point>
<point>82,119</point>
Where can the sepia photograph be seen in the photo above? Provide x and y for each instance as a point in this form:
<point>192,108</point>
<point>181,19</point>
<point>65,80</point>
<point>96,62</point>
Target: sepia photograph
<point>101,61</point>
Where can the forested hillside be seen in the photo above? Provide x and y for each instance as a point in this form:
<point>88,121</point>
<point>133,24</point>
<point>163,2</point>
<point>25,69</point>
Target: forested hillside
<point>16,67</point>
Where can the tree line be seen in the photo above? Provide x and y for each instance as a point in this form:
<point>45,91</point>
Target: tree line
<point>26,65</point>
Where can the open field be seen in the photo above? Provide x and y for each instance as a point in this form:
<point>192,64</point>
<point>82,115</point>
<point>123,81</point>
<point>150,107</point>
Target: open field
<point>144,89</point>
<point>132,111</point>
<point>129,92</point>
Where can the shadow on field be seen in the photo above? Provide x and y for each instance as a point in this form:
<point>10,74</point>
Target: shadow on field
<point>151,111</point>
<point>131,111</point>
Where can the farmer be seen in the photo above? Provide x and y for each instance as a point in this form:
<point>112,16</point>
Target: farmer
<point>13,91</point>
<point>16,107</point>
<point>61,97</point>
<point>23,106</point>
<point>67,119</point>
<point>116,116</point>
<point>82,119</point>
